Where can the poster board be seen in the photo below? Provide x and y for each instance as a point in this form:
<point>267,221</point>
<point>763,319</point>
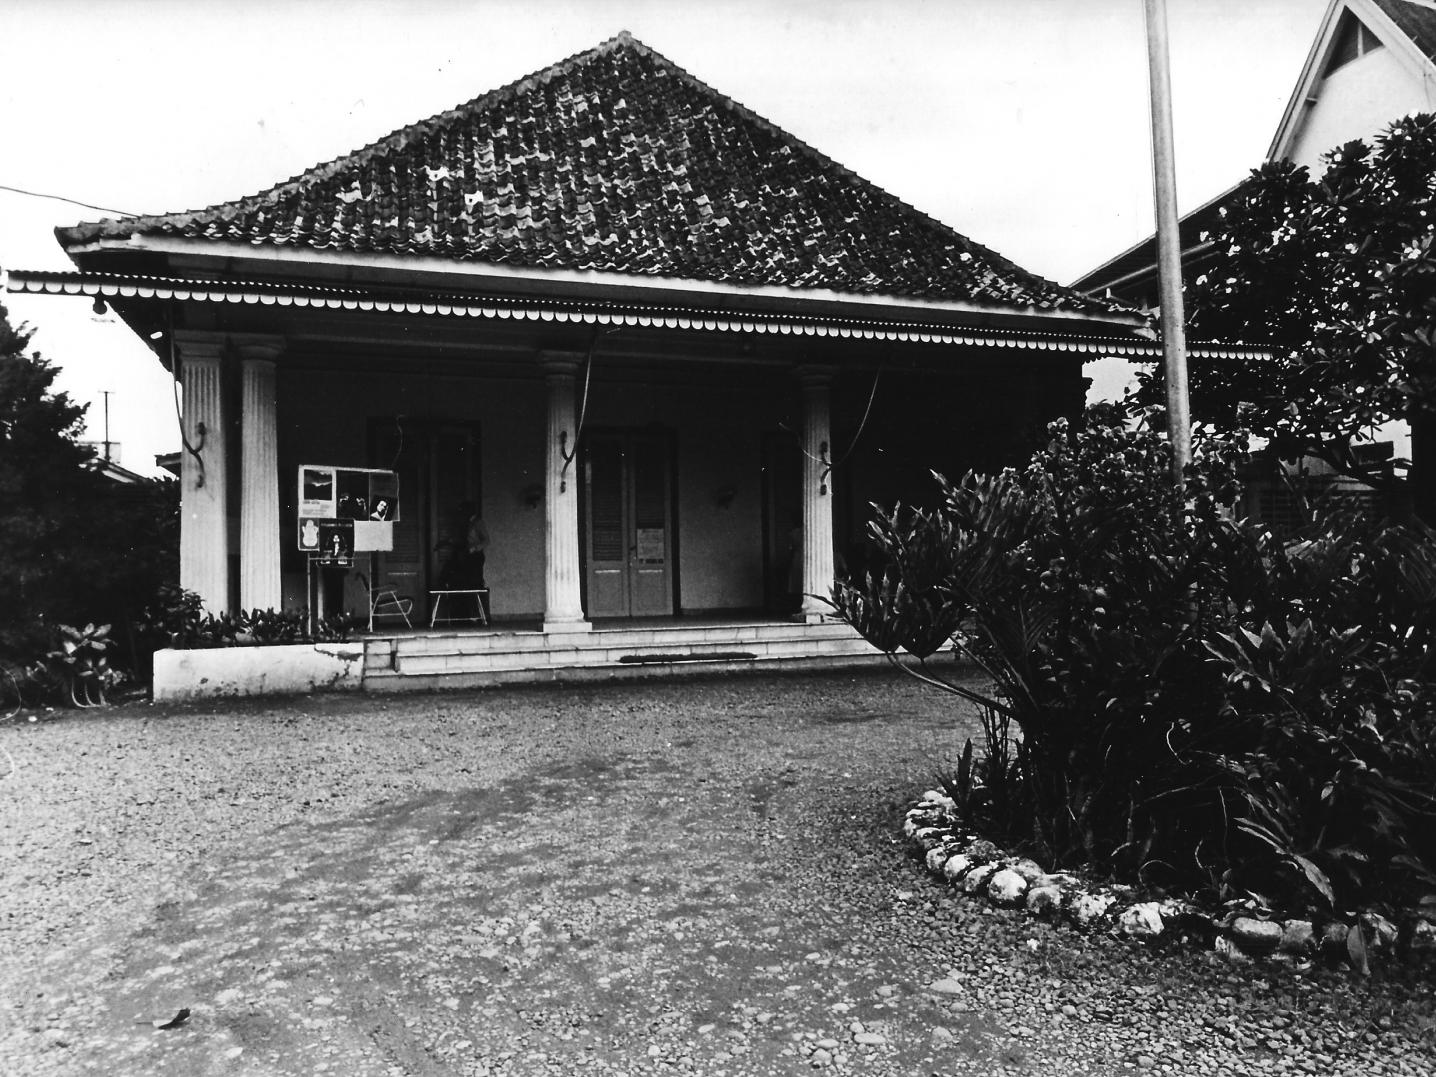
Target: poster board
<point>348,493</point>
<point>346,510</point>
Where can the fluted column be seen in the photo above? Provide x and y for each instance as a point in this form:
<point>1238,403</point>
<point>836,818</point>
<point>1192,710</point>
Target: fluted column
<point>259,530</point>
<point>563,607</point>
<point>817,495</point>
<point>204,507</point>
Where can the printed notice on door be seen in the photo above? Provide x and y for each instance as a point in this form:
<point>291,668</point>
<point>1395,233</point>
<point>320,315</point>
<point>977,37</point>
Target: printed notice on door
<point>650,544</point>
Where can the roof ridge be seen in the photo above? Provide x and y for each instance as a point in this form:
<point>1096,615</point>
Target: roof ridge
<point>395,140</point>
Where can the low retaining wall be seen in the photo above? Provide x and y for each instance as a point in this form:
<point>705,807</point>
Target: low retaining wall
<point>258,671</point>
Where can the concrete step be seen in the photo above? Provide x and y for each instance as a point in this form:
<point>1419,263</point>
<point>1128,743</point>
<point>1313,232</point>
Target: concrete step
<point>607,638</point>
<point>390,681</point>
<point>430,662</point>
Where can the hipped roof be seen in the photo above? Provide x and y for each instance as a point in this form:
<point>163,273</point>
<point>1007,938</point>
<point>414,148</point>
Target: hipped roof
<point>616,160</point>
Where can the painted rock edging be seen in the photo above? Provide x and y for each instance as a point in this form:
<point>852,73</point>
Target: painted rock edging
<point>977,867</point>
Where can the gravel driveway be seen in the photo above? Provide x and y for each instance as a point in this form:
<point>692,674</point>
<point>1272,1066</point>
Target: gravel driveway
<point>698,878</point>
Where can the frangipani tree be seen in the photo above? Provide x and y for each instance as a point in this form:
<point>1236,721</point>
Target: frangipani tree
<point>1337,274</point>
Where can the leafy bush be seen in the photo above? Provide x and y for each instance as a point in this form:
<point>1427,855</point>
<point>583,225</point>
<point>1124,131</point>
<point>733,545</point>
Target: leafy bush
<point>1164,734</point>
<point>176,618</point>
<point>1338,798</point>
<point>80,665</point>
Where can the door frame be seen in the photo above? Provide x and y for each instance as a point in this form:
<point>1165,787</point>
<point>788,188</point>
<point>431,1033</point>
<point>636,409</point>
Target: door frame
<point>418,497</point>
<point>668,439</point>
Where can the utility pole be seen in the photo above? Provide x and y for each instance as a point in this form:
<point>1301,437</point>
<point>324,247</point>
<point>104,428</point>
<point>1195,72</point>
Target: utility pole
<point>1169,244</point>
<point>106,394</point>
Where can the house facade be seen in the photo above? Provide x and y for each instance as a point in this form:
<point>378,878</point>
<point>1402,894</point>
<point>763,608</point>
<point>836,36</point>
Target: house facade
<point>667,352</point>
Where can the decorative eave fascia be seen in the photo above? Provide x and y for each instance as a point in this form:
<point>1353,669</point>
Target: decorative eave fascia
<point>351,267</point>
<point>1391,35</point>
<point>597,312</point>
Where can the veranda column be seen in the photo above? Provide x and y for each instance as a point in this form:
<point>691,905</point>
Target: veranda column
<point>563,608</point>
<point>259,535</point>
<point>817,494</point>
<point>204,508</point>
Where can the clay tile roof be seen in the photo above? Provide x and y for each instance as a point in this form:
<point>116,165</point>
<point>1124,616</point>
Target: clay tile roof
<point>1416,21</point>
<point>617,160</point>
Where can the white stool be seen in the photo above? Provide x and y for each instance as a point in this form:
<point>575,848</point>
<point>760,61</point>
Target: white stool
<point>479,593</point>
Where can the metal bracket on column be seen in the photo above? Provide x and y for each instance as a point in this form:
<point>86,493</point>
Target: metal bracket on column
<point>567,459</point>
<point>827,469</point>
<point>582,414</point>
<point>193,450</point>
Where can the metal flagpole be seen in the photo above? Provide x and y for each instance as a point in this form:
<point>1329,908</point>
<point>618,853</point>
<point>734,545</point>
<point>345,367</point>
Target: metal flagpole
<point>1169,246</point>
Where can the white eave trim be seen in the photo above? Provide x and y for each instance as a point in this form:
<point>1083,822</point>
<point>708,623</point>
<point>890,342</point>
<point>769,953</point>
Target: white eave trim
<point>589,283</point>
<point>600,313</point>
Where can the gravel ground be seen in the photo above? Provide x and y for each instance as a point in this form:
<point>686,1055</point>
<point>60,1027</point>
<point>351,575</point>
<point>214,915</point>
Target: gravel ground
<point>702,877</point>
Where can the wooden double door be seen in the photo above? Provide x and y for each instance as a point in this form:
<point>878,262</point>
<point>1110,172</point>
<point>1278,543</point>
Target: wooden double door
<point>629,541</point>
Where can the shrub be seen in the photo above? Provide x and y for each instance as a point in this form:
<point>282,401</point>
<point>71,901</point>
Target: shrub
<point>1338,797</point>
<point>176,618</point>
<point>1165,735</point>
<point>80,665</point>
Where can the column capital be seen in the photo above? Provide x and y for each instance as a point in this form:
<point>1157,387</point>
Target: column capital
<point>814,375</point>
<point>257,347</point>
<point>194,345</point>
<point>560,363</point>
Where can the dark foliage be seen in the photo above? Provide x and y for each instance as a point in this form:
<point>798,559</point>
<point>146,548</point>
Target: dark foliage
<point>176,618</point>
<point>1165,733</point>
<point>75,547</point>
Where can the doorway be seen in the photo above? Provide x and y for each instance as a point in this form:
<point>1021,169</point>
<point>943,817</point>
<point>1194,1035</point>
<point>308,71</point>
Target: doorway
<point>438,467</point>
<point>782,519</point>
<point>628,524</point>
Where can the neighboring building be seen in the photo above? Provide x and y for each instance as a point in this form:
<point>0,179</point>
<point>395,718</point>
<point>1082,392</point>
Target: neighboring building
<point>115,473</point>
<point>1371,63</point>
<point>168,462</point>
<point>107,462</point>
<point>656,340</point>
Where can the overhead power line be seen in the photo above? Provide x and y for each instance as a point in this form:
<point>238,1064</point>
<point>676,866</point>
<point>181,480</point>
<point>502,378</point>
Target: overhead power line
<point>62,198</point>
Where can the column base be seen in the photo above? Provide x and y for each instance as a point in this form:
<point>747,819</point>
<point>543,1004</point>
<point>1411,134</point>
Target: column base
<point>552,628</point>
<point>804,617</point>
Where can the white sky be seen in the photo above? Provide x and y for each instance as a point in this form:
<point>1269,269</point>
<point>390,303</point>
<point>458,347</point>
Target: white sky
<point>1022,123</point>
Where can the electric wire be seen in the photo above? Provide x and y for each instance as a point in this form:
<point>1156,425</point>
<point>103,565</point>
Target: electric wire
<point>62,198</point>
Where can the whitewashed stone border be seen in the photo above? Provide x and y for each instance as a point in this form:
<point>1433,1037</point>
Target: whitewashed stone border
<point>979,868</point>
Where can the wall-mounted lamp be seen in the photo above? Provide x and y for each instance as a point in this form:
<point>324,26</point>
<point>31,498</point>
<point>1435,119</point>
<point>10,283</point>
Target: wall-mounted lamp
<point>724,495</point>
<point>531,495</point>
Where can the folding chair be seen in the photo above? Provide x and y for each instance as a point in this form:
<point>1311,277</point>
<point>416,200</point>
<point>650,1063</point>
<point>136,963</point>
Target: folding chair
<point>387,602</point>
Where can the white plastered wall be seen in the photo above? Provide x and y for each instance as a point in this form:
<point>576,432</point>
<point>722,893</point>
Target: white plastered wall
<point>1358,100</point>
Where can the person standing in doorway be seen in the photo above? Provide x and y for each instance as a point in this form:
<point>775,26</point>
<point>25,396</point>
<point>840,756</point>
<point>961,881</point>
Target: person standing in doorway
<point>476,543</point>
<point>469,553</point>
